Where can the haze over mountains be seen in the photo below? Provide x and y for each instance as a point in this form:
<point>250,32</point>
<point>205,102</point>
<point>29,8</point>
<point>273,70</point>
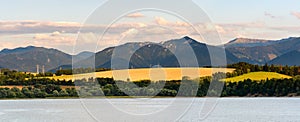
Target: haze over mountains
<point>148,54</point>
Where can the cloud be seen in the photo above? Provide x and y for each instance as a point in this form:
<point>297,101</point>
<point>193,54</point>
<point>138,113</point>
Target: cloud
<point>62,42</point>
<point>130,32</point>
<point>220,29</point>
<point>128,25</point>
<point>287,28</point>
<point>135,15</point>
<point>255,24</point>
<point>41,37</point>
<point>56,28</point>
<point>56,33</point>
<point>296,14</point>
<point>64,34</point>
<point>54,38</point>
<point>180,23</point>
<point>256,29</point>
<point>45,36</point>
<point>27,26</point>
<point>161,21</point>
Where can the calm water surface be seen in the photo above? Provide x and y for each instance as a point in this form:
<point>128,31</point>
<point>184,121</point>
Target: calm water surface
<point>227,109</point>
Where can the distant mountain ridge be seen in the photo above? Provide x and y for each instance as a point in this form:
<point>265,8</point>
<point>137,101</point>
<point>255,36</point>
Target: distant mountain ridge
<point>246,42</point>
<point>148,54</point>
<point>265,53</point>
<point>27,58</point>
<point>16,50</point>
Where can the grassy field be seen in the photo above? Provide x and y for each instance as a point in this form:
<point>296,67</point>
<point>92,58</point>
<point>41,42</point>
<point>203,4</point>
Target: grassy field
<point>257,76</point>
<point>153,74</point>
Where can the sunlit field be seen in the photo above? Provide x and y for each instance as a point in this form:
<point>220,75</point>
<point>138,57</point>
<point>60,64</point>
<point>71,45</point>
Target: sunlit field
<point>153,74</point>
<point>20,86</point>
<point>258,76</point>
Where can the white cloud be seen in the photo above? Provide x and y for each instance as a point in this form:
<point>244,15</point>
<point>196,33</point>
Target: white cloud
<point>56,33</point>
<point>41,36</point>
<point>128,25</point>
<point>180,23</point>
<point>22,27</point>
<point>296,14</point>
<point>220,29</point>
<point>161,21</point>
<point>129,32</point>
<point>135,15</point>
<point>53,39</point>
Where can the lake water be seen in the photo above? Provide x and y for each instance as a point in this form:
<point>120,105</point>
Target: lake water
<point>73,110</point>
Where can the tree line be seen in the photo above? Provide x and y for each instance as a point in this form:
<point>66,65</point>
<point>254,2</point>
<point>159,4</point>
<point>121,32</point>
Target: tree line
<point>184,88</point>
<point>37,91</point>
<point>243,68</point>
<point>199,88</point>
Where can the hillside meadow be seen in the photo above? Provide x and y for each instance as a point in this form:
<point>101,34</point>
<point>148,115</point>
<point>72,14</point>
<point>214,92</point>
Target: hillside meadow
<point>257,76</point>
<point>153,74</point>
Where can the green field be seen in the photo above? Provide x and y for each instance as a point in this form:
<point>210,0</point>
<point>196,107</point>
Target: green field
<point>257,76</point>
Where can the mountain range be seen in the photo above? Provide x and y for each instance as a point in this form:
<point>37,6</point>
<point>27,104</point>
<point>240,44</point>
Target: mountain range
<point>273,52</point>
<point>171,53</point>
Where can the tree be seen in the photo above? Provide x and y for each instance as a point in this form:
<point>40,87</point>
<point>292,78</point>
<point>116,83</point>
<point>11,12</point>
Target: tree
<point>18,92</point>
<point>3,93</point>
<point>55,93</point>
<point>266,67</point>
<point>28,93</point>
<point>38,93</point>
<point>272,68</point>
<point>11,94</point>
<point>63,93</point>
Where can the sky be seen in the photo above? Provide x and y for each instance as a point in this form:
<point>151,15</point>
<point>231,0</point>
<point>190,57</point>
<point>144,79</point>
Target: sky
<point>56,23</point>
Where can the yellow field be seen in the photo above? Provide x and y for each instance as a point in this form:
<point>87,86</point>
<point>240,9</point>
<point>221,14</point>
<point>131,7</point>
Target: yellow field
<point>257,76</point>
<point>20,87</point>
<point>153,74</point>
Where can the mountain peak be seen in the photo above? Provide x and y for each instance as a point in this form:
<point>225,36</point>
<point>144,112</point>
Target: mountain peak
<point>30,46</point>
<point>187,38</point>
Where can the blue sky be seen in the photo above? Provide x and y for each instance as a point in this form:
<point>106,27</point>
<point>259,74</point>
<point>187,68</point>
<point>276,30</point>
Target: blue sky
<point>42,22</point>
<point>249,10</point>
<point>220,11</point>
<point>48,10</point>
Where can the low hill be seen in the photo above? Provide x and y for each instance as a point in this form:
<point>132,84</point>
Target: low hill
<point>257,76</point>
